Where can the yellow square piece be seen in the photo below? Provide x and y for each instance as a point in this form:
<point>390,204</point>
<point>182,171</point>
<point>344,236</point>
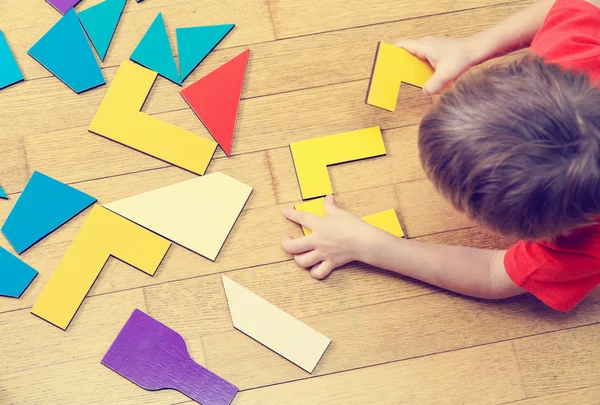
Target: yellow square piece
<point>119,118</point>
<point>393,66</point>
<point>312,156</point>
<point>385,220</point>
<point>103,234</point>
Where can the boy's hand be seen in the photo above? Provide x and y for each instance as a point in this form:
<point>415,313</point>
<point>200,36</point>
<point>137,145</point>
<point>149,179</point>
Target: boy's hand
<point>450,57</point>
<point>336,239</point>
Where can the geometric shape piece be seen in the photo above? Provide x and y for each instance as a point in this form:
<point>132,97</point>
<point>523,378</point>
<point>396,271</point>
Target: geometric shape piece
<point>195,43</point>
<point>9,69</point>
<point>44,206</point>
<point>119,118</point>
<point>154,51</point>
<point>197,214</point>
<point>63,5</point>
<point>103,234</point>
<point>154,356</point>
<point>312,156</point>
<point>273,327</point>
<point>215,99</point>
<point>15,275</point>
<point>385,220</point>
<point>100,22</point>
<point>64,50</point>
<point>393,66</point>
<point>3,194</point>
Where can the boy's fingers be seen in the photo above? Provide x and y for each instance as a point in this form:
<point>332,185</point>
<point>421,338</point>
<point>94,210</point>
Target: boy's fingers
<point>414,46</point>
<point>330,205</point>
<point>299,245</point>
<point>436,83</point>
<point>308,259</point>
<point>321,270</point>
<point>299,217</point>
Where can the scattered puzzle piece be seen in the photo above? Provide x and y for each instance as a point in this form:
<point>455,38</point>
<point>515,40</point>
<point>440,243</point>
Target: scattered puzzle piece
<point>154,357</point>
<point>385,220</point>
<point>274,328</point>
<point>154,51</point>
<point>119,118</point>
<point>15,275</point>
<point>216,97</point>
<point>3,194</point>
<point>100,22</point>
<point>64,50</point>
<point>44,206</point>
<point>63,5</point>
<point>197,214</point>
<point>9,69</point>
<point>393,66</point>
<point>103,234</point>
<point>195,43</point>
<point>312,156</point>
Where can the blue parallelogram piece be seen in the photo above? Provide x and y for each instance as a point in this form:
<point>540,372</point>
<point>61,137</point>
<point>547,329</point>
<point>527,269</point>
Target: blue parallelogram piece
<point>15,275</point>
<point>64,50</point>
<point>195,43</point>
<point>3,194</point>
<point>44,206</point>
<point>100,22</point>
<point>9,70</point>
<point>154,51</point>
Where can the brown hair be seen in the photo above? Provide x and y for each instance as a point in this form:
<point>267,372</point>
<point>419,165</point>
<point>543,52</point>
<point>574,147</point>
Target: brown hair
<point>517,148</point>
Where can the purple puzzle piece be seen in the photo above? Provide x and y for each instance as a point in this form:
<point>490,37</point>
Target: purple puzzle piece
<point>155,357</point>
<point>63,5</point>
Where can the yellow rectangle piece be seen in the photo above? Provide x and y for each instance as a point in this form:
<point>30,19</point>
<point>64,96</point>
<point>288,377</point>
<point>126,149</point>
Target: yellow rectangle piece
<point>312,156</point>
<point>393,66</point>
<point>119,118</point>
<point>103,234</point>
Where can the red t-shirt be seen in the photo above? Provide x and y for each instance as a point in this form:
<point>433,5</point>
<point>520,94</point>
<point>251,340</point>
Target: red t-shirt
<point>562,272</point>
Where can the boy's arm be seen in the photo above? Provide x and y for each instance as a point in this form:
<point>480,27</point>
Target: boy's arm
<point>340,238</point>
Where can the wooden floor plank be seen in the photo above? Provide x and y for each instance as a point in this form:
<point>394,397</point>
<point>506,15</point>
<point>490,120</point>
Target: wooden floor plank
<point>584,396</point>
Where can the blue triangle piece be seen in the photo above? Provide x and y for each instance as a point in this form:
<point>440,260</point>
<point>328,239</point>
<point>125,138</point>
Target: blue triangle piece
<point>44,206</point>
<point>100,22</point>
<point>154,51</point>
<point>15,275</point>
<point>9,70</point>
<point>195,43</point>
<point>66,53</point>
<point>3,194</point>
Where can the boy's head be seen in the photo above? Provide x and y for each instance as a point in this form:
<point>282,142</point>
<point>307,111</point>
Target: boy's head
<point>517,148</point>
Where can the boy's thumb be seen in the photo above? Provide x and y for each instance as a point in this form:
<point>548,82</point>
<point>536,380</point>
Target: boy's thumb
<point>331,207</point>
<point>435,84</point>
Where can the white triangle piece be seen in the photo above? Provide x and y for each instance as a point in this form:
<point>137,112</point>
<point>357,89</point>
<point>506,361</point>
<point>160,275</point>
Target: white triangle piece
<point>197,214</point>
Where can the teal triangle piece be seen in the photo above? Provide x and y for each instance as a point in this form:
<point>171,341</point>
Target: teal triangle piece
<point>3,194</point>
<point>64,50</point>
<point>195,43</point>
<point>154,51</point>
<point>100,22</point>
<point>44,206</point>
<point>15,275</point>
<point>9,70</point>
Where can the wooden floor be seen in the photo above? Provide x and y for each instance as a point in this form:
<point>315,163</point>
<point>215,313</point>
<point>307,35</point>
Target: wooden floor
<point>395,341</point>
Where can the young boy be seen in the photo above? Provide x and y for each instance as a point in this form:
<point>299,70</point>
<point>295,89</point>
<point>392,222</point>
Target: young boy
<point>516,148</point>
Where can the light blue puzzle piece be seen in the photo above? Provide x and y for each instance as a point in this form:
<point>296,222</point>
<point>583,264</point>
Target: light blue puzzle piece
<point>3,194</point>
<point>154,51</point>
<point>9,70</point>
<point>66,53</point>
<point>44,206</point>
<point>100,22</point>
<point>15,275</point>
<point>195,43</point>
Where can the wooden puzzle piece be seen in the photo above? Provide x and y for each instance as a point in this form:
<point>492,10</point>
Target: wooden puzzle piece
<point>63,5</point>
<point>44,206</point>
<point>393,66</point>
<point>312,156</point>
<point>195,43</point>
<point>3,194</point>
<point>15,275</point>
<point>64,50</point>
<point>100,22</point>
<point>385,220</point>
<point>103,234</point>
<point>154,357</point>
<point>119,118</point>
<point>197,214</point>
<point>274,328</point>
<point>154,51</point>
<point>9,69</point>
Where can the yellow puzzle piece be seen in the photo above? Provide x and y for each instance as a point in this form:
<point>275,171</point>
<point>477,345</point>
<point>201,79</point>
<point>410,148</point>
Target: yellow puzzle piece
<point>385,220</point>
<point>312,156</point>
<point>119,118</point>
<point>393,66</point>
<point>103,234</point>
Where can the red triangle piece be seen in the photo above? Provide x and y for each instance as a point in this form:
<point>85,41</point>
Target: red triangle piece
<point>215,99</point>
